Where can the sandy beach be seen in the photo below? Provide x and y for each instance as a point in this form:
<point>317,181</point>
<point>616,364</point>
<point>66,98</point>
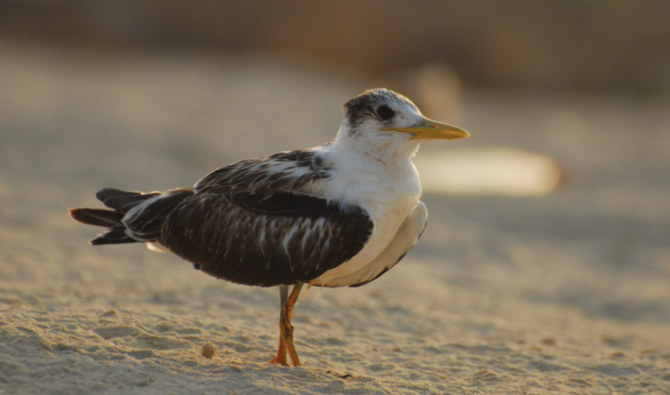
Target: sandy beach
<point>568,292</point>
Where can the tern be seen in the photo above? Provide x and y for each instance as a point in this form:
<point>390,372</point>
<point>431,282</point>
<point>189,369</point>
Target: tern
<point>339,214</point>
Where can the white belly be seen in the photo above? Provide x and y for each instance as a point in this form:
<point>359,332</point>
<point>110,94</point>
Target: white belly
<point>372,260</point>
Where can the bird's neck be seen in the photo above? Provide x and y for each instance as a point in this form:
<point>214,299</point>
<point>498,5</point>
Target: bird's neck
<point>387,152</point>
<point>380,173</point>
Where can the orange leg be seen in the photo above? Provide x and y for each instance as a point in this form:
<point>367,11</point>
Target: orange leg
<point>280,358</point>
<point>286,345</point>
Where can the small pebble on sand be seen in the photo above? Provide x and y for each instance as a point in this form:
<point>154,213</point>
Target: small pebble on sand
<point>208,350</point>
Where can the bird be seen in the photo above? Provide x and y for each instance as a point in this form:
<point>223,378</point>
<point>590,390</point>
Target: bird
<point>339,214</point>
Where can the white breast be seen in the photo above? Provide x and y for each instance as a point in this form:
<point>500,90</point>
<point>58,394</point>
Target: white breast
<point>389,191</point>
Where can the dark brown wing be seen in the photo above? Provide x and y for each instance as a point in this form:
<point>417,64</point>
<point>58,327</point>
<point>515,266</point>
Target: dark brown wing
<point>262,240</point>
<point>248,222</point>
<point>284,171</point>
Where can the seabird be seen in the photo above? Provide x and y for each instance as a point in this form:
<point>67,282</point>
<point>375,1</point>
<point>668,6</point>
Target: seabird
<point>339,214</point>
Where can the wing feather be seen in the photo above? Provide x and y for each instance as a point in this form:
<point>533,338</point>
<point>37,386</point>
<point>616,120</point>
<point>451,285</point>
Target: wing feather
<point>253,222</point>
<point>284,171</point>
<point>259,244</point>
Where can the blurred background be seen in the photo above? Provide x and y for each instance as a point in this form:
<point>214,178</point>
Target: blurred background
<point>595,45</point>
<point>180,66</point>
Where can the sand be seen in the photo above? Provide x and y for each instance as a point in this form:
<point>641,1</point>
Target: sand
<point>561,293</point>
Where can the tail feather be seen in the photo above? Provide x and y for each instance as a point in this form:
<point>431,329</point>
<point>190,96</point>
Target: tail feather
<point>144,225</point>
<point>97,217</point>
<point>122,201</point>
<point>116,235</point>
<point>108,218</point>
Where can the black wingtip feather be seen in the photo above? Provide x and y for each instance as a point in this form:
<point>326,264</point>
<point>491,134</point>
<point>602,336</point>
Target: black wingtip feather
<point>120,200</point>
<point>107,218</point>
<point>116,235</point>
<point>96,217</point>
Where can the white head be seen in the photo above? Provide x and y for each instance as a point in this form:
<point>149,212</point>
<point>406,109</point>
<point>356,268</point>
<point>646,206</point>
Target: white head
<point>380,120</point>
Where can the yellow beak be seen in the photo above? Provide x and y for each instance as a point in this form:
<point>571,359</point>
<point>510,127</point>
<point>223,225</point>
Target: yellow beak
<point>432,130</point>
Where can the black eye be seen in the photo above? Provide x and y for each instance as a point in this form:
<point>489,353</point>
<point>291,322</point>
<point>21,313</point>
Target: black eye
<point>384,112</point>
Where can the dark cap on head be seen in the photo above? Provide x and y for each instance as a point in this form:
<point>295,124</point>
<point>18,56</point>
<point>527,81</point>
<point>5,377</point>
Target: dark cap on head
<point>369,104</point>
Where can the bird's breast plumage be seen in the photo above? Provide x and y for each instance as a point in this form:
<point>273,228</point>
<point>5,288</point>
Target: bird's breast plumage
<point>390,192</point>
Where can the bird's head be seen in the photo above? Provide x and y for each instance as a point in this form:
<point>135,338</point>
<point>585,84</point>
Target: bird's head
<point>387,118</point>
